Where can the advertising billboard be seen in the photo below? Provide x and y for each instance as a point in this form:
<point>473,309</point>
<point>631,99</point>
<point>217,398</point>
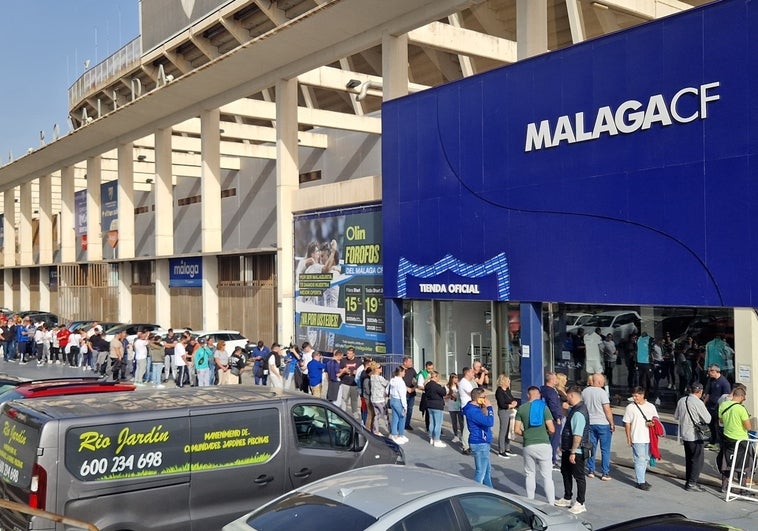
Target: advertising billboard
<point>185,272</point>
<point>338,280</point>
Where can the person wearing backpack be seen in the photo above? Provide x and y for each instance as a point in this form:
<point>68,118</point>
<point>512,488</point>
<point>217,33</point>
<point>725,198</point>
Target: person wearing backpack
<point>534,423</point>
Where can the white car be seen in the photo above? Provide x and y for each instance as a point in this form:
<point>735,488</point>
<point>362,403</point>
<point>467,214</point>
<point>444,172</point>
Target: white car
<point>232,338</point>
<point>621,323</point>
<point>577,319</point>
<point>400,498</point>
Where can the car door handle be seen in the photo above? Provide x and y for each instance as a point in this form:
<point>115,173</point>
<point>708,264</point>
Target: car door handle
<point>303,473</point>
<point>263,479</point>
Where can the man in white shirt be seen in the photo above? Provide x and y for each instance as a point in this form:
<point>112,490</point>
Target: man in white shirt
<point>140,356</point>
<point>637,417</point>
<point>274,375</point>
<point>180,360</point>
<point>465,386</point>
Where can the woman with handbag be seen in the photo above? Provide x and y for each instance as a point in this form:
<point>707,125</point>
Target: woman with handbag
<point>693,418</point>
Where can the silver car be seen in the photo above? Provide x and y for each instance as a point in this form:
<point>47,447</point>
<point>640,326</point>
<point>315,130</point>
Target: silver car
<point>404,498</point>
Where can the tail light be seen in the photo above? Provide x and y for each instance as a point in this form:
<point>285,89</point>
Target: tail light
<point>38,490</point>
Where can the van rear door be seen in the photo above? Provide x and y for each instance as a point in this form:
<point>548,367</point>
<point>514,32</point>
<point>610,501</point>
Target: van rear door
<point>237,463</point>
<point>20,474</point>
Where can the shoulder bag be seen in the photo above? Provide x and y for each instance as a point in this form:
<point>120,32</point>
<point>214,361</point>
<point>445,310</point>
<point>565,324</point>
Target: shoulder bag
<point>702,430</point>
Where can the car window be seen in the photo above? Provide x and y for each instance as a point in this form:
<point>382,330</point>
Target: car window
<point>236,337</point>
<point>436,516</point>
<point>319,427</point>
<point>486,512</point>
<point>624,319</point>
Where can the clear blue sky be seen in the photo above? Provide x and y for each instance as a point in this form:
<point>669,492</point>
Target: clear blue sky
<point>44,46</point>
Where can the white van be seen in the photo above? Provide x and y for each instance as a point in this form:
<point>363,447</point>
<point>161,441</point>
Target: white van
<point>172,459</point>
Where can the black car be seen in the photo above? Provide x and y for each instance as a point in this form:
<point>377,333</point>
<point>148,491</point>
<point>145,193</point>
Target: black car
<point>667,522</point>
<point>37,316</point>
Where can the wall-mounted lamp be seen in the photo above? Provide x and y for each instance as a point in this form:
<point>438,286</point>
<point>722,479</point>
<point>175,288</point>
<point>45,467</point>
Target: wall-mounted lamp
<point>141,158</point>
<point>351,84</point>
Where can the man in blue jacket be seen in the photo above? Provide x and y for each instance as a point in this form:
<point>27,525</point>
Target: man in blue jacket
<point>480,418</point>
<point>553,401</point>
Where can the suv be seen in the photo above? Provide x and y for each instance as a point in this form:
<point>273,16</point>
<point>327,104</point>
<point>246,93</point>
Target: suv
<point>621,323</point>
<point>131,330</point>
<point>63,386</point>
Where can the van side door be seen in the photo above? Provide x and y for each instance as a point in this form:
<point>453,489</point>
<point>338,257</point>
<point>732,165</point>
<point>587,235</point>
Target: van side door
<point>323,443</point>
<point>237,463</point>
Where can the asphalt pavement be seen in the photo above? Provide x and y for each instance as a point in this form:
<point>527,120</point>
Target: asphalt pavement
<point>607,501</point>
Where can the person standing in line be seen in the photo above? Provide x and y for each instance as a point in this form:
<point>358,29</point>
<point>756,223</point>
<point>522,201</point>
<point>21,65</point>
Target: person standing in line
<point>117,356</point>
<point>332,379</point>
<point>609,354</point>
<point>506,406</point>
<point>435,404</point>
<point>63,334</point>
<point>534,423</point>
<point>592,344</point>
<point>716,387</point>
<point>736,421</point>
<point>180,360</point>
<point>422,377</point>
<point>202,361</point>
<point>690,410</point>
<point>274,363</point>
<point>315,374</point>
<point>553,400</point>
<point>260,355</point>
<point>410,379</point>
<point>156,351</point>
<point>140,356</point>
<point>237,363</point>
<point>348,385</point>
<point>644,362</point>
<point>638,418</point>
<point>398,393</point>
<point>453,407</point>
<point>378,396</point>
<point>574,442</point>
<point>480,418</point>
<point>169,344</point>
<point>481,375</point>
<point>221,359</point>
<point>465,388</point>
<point>306,355</point>
<point>598,406</point>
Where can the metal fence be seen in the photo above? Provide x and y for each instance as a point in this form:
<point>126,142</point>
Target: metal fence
<point>741,477</point>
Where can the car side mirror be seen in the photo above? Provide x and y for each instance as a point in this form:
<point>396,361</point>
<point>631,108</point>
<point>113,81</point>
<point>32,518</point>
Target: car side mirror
<point>536,524</point>
<point>359,441</point>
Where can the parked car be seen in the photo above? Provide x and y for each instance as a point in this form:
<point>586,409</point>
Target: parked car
<point>232,338</point>
<point>61,387</point>
<point>37,316</point>
<point>577,319</point>
<point>667,522</point>
<point>131,330</point>
<point>397,498</point>
<point>620,323</point>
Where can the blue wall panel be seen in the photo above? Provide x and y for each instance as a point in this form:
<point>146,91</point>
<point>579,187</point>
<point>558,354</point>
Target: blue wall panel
<point>664,215</point>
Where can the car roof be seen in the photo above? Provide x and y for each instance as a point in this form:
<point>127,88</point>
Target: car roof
<point>615,312</point>
<point>156,399</point>
<point>398,485</point>
<point>208,332</point>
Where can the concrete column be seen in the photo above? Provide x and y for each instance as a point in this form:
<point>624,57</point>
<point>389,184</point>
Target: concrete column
<point>9,231</point>
<point>68,226</point>
<point>394,66</point>
<point>210,293</point>
<point>25,225</point>
<point>531,28</point>
<point>124,289</point>
<point>287,183</point>
<point>125,247</point>
<point>164,196</point>
<point>532,363</point>
<point>8,288</point>
<point>746,354</point>
<point>46,219</point>
<point>44,289</point>
<point>210,175</point>
<point>24,292</point>
<point>162,294</point>
<point>94,208</point>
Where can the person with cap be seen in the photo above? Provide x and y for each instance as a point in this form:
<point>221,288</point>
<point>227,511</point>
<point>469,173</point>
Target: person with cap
<point>690,411</point>
<point>202,358</point>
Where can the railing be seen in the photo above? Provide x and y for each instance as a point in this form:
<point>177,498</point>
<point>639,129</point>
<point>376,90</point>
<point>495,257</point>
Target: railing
<point>105,71</point>
<point>741,476</point>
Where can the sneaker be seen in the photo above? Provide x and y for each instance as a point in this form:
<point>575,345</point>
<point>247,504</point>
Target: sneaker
<point>643,486</point>
<point>590,475</point>
<point>509,453</point>
<point>606,477</point>
<point>693,487</point>
<point>563,502</point>
<point>440,444</point>
<point>504,455</point>
<point>578,508</point>
<point>431,441</point>
<point>160,386</point>
<point>557,467</point>
<point>403,438</point>
<point>456,439</point>
<point>409,428</point>
<point>466,451</point>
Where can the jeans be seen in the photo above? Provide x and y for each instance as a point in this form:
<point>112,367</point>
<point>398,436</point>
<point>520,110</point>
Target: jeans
<point>435,423</point>
<point>482,465</point>
<point>641,453</point>
<point>555,439</point>
<point>573,472</point>
<point>157,370</point>
<point>693,461</point>
<point>397,426</point>
<point>539,456</point>
<point>409,412</point>
<point>601,433</point>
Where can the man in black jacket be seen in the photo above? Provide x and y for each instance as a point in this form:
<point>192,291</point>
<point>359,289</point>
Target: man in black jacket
<point>574,442</point>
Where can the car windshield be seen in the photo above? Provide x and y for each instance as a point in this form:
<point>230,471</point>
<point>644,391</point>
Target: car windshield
<point>307,512</point>
<point>600,320</point>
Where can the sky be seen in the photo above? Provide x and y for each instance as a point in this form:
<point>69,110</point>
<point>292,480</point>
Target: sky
<point>43,48</point>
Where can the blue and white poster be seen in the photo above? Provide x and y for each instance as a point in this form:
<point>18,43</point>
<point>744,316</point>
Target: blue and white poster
<point>185,272</point>
<point>109,206</point>
<point>338,280</point>
<point>80,212</point>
